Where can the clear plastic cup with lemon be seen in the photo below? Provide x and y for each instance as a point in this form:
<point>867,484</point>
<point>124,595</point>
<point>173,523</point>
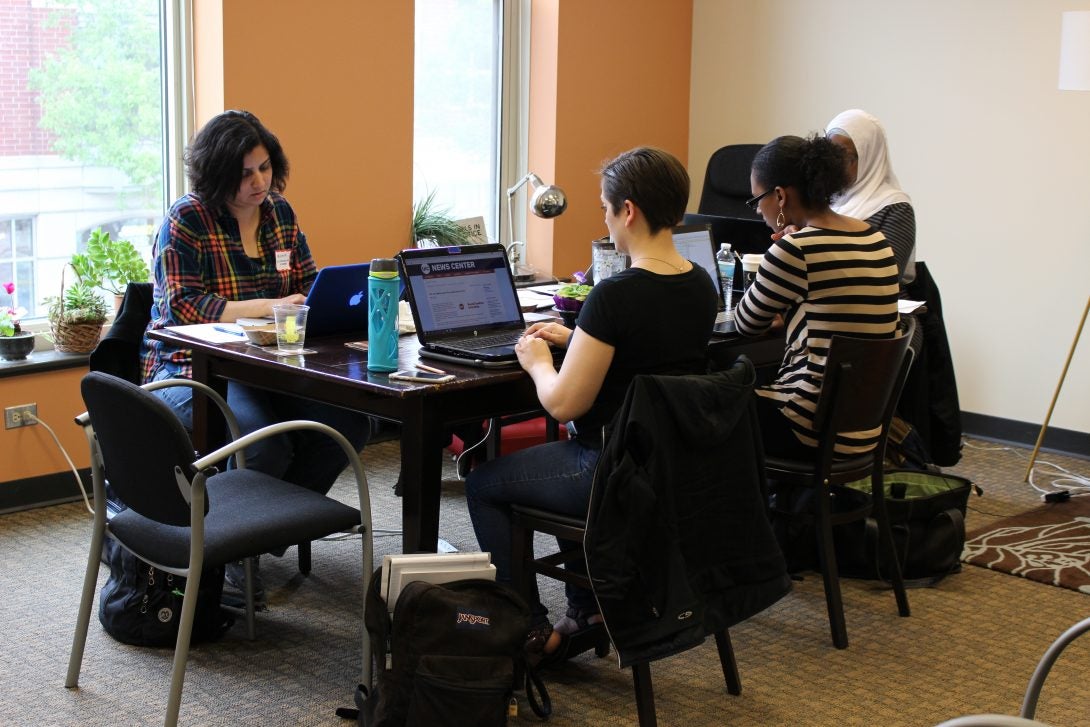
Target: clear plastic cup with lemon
<point>291,326</point>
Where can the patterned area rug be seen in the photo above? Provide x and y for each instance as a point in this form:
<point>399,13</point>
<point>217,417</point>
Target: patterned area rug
<point>1049,544</point>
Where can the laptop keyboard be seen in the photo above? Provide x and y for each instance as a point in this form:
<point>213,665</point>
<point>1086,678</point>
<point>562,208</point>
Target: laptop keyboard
<point>507,338</point>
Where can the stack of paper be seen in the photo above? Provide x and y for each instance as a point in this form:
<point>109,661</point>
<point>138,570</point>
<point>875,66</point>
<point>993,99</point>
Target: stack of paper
<point>397,570</point>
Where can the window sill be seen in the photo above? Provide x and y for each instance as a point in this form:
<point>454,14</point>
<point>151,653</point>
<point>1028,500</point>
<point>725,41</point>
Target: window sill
<point>42,361</point>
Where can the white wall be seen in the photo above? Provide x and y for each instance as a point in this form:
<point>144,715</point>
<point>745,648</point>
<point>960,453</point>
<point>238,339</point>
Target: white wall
<point>996,159</point>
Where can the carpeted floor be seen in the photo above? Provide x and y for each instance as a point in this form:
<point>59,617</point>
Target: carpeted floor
<point>970,645</point>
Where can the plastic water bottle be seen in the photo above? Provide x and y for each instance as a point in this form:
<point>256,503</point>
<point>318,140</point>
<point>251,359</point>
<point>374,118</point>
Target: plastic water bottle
<point>383,286</point>
<point>724,260</point>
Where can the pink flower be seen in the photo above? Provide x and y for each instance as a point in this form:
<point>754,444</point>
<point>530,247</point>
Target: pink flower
<point>9,288</point>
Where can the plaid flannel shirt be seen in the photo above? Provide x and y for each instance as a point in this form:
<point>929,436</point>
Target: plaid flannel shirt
<point>199,265</point>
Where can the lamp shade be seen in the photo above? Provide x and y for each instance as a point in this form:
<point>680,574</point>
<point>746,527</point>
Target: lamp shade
<point>1075,51</point>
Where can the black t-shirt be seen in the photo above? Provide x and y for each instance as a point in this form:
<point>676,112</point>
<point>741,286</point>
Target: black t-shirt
<point>657,324</point>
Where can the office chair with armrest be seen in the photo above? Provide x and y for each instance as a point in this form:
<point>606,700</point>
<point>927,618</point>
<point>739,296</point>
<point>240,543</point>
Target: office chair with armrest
<point>676,541</point>
<point>118,354</point>
<point>860,389</point>
<point>726,182</point>
<point>182,513</point>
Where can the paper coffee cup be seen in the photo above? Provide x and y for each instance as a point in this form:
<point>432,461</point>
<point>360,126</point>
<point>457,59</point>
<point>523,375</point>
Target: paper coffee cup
<point>750,263</point>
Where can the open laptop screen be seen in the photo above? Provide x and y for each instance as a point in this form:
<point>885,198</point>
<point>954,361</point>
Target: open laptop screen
<point>460,289</point>
<point>694,243</point>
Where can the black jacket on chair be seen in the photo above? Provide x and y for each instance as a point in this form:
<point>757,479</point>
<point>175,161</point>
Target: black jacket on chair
<point>929,400</point>
<point>118,353</point>
<point>678,543</point>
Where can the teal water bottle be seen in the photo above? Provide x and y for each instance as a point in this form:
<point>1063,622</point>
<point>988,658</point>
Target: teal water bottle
<point>383,287</point>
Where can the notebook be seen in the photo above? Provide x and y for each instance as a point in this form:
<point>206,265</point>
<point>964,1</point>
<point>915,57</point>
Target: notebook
<point>338,301</point>
<point>464,303</point>
<point>400,569</point>
<point>695,243</point>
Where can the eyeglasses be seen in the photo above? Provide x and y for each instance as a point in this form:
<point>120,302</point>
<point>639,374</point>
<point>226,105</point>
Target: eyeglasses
<point>753,201</point>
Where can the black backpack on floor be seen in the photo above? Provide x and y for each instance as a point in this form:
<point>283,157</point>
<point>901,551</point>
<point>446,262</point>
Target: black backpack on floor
<point>452,655</point>
<point>142,605</point>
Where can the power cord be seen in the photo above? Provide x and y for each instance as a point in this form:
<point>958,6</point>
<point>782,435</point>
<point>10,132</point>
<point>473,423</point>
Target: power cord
<point>467,450</point>
<point>1064,485</point>
<point>75,472</point>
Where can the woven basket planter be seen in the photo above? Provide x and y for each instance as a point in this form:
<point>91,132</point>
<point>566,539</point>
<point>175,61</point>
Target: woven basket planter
<point>75,337</point>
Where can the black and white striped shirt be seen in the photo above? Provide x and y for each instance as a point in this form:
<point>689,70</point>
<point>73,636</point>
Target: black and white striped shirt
<point>898,223</point>
<point>824,282</point>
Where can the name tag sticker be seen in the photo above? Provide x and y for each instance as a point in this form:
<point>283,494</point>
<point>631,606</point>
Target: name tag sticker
<point>283,260</point>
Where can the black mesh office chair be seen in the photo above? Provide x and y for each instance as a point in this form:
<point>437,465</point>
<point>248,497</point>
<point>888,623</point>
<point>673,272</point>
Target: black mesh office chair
<point>862,382</point>
<point>682,476</point>
<point>726,182</point>
<point>182,514</point>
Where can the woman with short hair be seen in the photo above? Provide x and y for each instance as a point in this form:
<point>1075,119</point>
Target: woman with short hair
<point>654,318</point>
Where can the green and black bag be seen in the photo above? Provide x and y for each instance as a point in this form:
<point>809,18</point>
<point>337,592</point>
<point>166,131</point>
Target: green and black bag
<point>927,515</point>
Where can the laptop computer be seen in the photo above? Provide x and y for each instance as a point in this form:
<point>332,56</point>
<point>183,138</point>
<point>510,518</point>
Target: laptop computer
<point>743,235</point>
<point>338,301</point>
<point>464,303</point>
<point>694,243</point>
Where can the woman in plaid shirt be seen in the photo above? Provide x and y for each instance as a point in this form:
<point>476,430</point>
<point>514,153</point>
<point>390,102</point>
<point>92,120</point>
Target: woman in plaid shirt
<point>232,249</point>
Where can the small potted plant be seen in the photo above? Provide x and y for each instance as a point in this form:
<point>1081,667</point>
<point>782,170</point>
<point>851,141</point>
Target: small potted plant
<point>568,299</point>
<point>15,343</point>
<point>435,226</point>
<point>110,264</point>
<point>76,317</point>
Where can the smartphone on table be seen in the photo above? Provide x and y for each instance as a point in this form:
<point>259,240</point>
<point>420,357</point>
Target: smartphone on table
<point>427,377</point>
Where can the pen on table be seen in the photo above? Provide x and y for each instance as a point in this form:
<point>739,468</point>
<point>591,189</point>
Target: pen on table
<point>432,369</point>
<point>225,329</point>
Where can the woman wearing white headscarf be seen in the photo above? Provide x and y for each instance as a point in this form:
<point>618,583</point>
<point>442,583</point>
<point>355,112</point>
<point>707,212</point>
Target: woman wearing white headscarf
<point>875,195</point>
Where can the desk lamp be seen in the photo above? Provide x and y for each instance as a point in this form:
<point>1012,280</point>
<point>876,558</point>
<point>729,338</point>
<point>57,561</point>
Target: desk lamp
<point>547,201</point>
<point>1074,76</point>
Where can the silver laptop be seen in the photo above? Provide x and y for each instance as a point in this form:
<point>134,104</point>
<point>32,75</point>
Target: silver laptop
<point>695,243</point>
<point>464,303</point>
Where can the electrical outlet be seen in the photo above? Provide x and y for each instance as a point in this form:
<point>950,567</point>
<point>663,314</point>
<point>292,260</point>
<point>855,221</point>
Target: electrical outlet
<point>16,416</point>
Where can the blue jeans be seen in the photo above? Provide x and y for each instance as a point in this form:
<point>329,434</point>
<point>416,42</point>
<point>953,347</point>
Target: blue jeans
<point>305,458</point>
<point>555,476</point>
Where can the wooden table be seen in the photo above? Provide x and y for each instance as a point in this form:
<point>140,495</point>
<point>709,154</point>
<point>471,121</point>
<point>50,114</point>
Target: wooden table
<point>338,375</point>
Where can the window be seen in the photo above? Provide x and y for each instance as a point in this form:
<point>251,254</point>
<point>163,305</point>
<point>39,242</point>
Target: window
<point>17,259</point>
<point>81,133</point>
<point>466,55</point>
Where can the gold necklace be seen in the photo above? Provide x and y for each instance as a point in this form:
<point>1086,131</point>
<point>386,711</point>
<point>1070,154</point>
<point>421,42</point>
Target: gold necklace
<point>678,268</point>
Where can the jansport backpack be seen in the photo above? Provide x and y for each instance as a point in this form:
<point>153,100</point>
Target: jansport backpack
<point>451,655</point>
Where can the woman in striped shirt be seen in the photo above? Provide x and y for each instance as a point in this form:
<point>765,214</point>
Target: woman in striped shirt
<point>834,275</point>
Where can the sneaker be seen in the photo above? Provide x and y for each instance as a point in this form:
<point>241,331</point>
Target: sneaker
<point>234,586</point>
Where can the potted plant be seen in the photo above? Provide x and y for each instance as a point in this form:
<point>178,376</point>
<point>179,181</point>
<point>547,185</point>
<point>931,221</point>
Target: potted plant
<point>15,343</point>
<point>568,299</point>
<point>436,225</point>
<point>76,317</point>
<point>110,264</point>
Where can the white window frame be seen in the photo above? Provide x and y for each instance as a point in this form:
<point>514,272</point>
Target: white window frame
<point>514,114</point>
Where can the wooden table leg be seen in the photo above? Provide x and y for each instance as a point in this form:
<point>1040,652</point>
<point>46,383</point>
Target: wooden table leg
<point>421,479</point>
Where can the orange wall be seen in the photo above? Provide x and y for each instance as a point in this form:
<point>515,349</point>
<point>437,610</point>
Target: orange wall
<point>333,80</point>
<point>30,451</point>
<point>614,74</point>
